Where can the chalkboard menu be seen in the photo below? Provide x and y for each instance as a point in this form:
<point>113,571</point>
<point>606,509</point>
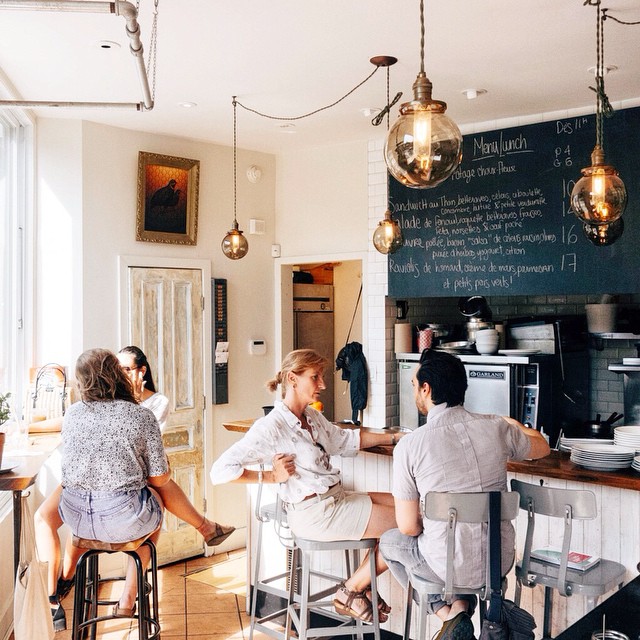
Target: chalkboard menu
<point>502,223</point>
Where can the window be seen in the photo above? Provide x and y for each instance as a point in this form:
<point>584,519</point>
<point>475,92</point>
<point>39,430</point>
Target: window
<point>16,235</point>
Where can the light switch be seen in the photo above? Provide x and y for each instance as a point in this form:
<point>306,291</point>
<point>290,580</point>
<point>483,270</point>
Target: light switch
<point>257,347</point>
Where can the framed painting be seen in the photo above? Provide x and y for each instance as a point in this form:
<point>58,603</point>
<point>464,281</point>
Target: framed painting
<point>167,199</point>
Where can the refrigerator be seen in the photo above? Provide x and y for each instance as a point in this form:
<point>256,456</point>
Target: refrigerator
<point>313,329</point>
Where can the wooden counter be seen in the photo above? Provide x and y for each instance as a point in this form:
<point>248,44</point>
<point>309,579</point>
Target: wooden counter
<point>556,465</point>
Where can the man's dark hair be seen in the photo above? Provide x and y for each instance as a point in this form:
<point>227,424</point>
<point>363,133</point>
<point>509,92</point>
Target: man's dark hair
<point>446,376</point>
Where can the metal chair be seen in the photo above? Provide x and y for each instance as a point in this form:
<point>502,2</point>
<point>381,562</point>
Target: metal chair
<point>272,512</point>
<point>454,508</point>
<point>301,605</point>
<point>568,504</point>
<point>87,584</point>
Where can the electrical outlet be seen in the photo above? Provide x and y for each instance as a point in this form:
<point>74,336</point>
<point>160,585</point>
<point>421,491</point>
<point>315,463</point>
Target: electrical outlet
<point>275,250</point>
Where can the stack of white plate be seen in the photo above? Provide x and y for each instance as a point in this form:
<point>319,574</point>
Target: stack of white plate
<point>567,443</point>
<point>635,465</point>
<point>602,457</point>
<point>627,437</point>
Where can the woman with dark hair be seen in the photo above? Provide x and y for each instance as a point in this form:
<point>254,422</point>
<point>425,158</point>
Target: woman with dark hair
<point>136,366</point>
<point>297,441</point>
<point>113,462</point>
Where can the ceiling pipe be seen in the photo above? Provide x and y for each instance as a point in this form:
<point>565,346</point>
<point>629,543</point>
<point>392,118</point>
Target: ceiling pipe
<point>118,7</point>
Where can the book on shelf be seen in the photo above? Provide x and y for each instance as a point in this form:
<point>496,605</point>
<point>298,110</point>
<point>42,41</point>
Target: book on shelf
<point>576,560</point>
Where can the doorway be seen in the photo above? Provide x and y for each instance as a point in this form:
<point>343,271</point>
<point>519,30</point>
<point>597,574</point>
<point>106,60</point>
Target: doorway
<point>345,278</point>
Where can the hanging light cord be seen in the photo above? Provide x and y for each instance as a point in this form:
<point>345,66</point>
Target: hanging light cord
<point>311,113</point>
<point>235,158</point>
<point>421,36</point>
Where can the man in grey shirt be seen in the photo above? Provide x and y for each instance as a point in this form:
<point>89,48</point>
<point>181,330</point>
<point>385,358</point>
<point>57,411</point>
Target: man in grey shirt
<point>455,451</point>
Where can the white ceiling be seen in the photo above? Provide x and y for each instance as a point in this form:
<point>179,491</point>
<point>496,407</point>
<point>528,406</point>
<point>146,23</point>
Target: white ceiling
<point>290,57</point>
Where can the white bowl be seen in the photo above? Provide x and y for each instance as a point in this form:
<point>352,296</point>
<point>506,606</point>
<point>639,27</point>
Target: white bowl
<point>485,350</point>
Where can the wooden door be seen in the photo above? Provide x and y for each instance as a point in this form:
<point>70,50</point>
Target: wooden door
<point>166,322</point>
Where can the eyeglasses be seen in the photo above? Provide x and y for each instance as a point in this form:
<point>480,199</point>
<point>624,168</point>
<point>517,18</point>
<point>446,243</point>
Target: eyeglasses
<point>129,369</point>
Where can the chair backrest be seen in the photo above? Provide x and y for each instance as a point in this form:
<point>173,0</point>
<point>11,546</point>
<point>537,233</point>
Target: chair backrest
<point>568,504</point>
<point>469,508</point>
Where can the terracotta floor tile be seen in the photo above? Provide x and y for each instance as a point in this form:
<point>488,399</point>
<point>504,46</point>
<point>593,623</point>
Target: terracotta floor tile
<point>210,602</point>
<point>212,623</point>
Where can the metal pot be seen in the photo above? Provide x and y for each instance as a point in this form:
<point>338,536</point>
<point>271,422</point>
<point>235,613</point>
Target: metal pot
<point>474,307</point>
<point>474,325</point>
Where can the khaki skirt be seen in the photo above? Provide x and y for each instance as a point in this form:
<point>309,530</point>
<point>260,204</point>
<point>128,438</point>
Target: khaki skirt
<point>334,515</point>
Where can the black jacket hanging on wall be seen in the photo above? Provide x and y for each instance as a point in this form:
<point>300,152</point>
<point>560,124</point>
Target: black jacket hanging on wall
<point>354,369</point>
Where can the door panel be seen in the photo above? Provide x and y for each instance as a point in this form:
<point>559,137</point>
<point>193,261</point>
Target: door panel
<point>166,322</point>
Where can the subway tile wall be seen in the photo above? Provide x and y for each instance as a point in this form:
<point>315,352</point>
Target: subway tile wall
<point>606,386</point>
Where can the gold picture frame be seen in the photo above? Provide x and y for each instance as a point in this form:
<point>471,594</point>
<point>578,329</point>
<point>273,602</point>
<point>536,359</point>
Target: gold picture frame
<point>167,199</point>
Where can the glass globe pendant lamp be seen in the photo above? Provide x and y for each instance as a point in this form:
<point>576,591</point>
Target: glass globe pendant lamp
<point>599,197</point>
<point>234,244</point>
<point>424,146</point>
<point>387,238</point>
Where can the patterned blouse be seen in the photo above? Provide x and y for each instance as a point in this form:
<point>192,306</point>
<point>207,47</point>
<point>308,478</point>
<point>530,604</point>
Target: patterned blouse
<point>111,445</point>
<point>281,432</point>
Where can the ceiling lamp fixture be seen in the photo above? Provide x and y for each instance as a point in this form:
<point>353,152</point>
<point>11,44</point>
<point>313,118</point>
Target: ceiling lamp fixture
<point>599,197</point>
<point>234,244</point>
<point>387,238</point>
<point>424,146</point>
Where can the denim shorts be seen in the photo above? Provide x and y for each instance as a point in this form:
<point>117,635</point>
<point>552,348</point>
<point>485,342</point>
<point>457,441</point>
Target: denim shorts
<point>110,516</point>
<point>403,556</point>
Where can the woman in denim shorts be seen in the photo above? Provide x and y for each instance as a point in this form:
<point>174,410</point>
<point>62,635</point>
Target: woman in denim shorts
<point>112,460</point>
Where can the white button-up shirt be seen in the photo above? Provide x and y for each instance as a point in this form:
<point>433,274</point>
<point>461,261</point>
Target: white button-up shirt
<point>281,432</point>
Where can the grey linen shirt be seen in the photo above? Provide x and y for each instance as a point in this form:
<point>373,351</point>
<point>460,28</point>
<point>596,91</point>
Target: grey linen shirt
<point>457,451</point>
<point>111,445</point>
<point>281,432</point>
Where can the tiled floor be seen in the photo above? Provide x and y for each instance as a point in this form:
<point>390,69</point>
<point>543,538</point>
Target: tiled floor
<point>189,608</point>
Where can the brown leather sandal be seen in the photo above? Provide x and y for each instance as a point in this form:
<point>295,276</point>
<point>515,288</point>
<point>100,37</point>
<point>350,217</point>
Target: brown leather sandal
<point>356,604</point>
<point>383,607</point>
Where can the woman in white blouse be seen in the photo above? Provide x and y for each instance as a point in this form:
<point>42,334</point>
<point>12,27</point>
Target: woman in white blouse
<point>297,441</point>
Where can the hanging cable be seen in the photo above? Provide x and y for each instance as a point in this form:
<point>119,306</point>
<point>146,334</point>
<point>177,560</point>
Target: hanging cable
<point>329,106</point>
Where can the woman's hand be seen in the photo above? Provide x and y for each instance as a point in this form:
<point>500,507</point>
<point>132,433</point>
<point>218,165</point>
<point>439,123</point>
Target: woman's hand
<point>283,467</point>
<point>136,376</point>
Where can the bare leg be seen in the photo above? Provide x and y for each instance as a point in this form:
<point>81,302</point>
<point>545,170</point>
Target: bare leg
<point>382,519</point>
<point>176,501</point>
<point>47,521</point>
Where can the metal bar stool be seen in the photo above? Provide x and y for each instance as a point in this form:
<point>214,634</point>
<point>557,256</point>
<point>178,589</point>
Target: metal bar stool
<point>87,585</point>
<point>453,508</point>
<point>569,505</point>
<point>300,606</point>
<point>272,512</point>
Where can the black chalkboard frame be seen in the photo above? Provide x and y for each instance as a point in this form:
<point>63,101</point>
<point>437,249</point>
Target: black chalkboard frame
<point>502,223</point>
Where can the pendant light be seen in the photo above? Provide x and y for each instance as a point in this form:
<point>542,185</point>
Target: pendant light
<point>599,197</point>
<point>234,244</point>
<point>424,146</point>
<point>387,238</point>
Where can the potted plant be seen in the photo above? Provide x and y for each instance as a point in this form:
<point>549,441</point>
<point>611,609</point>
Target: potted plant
<point>5,409</point>
<point>5,414</point>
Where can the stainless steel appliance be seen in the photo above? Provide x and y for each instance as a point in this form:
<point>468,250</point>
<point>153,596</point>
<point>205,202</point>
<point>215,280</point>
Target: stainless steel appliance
<point>542,380</point>
<point>313,329</point>
<point>513,386</point>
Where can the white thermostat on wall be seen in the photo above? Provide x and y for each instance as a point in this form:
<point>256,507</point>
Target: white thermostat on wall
<point>257,347</point>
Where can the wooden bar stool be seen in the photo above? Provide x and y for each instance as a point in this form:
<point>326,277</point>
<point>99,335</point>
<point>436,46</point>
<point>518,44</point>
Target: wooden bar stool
<point>87,584</point>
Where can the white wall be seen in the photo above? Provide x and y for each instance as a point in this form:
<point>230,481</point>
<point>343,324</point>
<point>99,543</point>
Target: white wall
<point>91,173</point>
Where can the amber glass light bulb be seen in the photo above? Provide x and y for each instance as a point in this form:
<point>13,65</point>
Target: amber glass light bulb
<point>387,238</point>
<point>599,197</point>
<point>602,235</point>
<point>234,244</point>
